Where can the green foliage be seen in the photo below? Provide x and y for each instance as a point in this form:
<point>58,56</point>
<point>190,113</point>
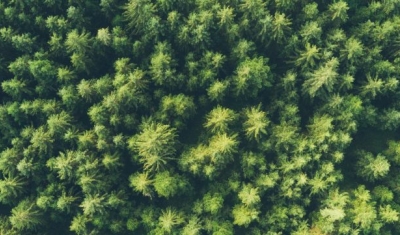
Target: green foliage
<point>243,215</point>
<point>217,90</point>
<point>251,76</point>
<point>65,164</point>
<point>199,117</point>
<point>372,168</point>
<point>154,144</point>
<point>169,219</point>
<point>322,79</point>
<point>25,216</point>
<point>249,195</point>
<point>308,56</point>
<point>280,26</point>
<point>11,187</point>
<point>180,105</point>
<point>213,203</point>
<point>141,183</point>
<point>15,88</point>
<point>193,227</point>
<point>77,42</point>
<point>388,214</point>
<point>363,210</point>
<point>219,118</point>
<point>338,10</point>
<point>93,204</point>
<point>256,123</point>
<point>161,65</point>
<point>167,184</point>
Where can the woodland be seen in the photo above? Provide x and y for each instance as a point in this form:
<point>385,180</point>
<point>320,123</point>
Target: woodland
<point>197,117</point>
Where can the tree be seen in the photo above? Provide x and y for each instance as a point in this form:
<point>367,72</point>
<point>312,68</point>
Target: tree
<point>219,119</point>
<point>141,183</point>
<point>310,10</point>
<point>372,168</point>
<point>77,43</point>
<point>64,75</point>
<point>24,42</point>
<point>243,49</point>
<point>284,134</point>
<point>321,128</point>
<point>388,214</point>
<point>65,201</point>
<point>104,36</point>
<point>161,65</point>
<point>65,164</point>
<point>252,75</point>
<point>193,227</point>
<point>226,16</point>
<point>308,56</point>
<point>322,78</point>
<point>252,9</point>
<point>244,215</point>
<point>138,12</point>
<point>11,187</point>
<point>217,90</point>
<point>167,184</point>
<point>179,105</point>
<point>372,87</point>
<point>68,95</point>
<point>59,123</point>
<point>81,62</point>
<point>25,216</point>
<point>168,220</point>
<point>249,195</point>
<point>16,88</point>
<point>338,11</point>
<point>93,204</point>
<point>42,140</point>
<point>154,144</point>
<point>352,50</point>
<point>221,148</point>
<point>390,119</point>
<point>311,31</point>
<point>78,224</point>
<point>213,203</point>
<point>334,209</point>
<point>86,89</point>
<point>256,122</point>
<point>280,26</point>
<point>363,210</point>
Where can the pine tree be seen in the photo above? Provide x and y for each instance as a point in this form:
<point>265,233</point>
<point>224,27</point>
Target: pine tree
<point>244,215</point>
<point>280,26</point>
<point>169,219</point>
<point>308,56</point>
<point>154,144</point>
<point>249,195</point>
<point>25,216</point>
<point>141,183</point>
<point>11,187</point>
<point>256,123</point>
<point>78,43</point>
<point>93,204</point>
<point>322,78</point>
<point>372,168</point>
<point>219,119</point>
<point>338,10</point>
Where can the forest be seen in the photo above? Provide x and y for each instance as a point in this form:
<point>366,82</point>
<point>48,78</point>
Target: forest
<point>197,117</point>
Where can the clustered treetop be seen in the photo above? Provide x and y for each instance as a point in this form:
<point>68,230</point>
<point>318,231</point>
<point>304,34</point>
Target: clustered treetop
<point>199,117</point>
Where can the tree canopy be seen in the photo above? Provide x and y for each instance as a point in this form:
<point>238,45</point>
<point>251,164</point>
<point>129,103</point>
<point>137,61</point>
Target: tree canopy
<point>199,117</point>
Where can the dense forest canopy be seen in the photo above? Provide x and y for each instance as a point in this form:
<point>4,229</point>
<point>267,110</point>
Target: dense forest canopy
<point>199,117</point>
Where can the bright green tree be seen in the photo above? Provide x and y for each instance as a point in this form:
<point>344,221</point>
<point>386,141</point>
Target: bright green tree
<point>154,144</point>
